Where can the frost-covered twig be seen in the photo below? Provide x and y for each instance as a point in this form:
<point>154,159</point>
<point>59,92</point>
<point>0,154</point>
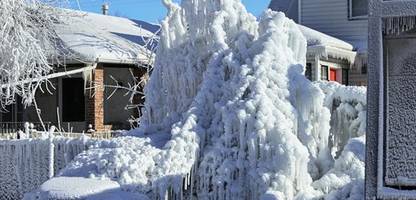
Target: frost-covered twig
<point>27,41</point>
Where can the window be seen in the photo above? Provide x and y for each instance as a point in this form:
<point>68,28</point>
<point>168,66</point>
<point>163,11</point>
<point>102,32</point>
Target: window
<point>324,73</point>
<point>364,69</point>
<point>73,100</point>
<point>308,71</point>
<point>345,76</point>
<point>358,9</point>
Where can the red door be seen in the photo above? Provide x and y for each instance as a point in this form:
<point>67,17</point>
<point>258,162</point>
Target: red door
<point>333,75</point>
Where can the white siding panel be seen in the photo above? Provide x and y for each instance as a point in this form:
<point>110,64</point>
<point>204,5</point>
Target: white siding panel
<point>331,17</point>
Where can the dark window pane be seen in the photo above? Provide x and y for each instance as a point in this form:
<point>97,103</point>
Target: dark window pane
<point>308,71</point>
<point>324,72</point>
<point>345,76</point>
<point>73,100</point>
<point>7,115</point>
<point>364,69</point>
<point>359,8</point>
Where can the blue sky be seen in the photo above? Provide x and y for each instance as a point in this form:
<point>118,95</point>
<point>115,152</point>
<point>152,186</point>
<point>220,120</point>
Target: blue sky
<point>148,10</point>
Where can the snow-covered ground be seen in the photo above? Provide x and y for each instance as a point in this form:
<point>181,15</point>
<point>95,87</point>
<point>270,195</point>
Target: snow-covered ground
<point>230,115</point>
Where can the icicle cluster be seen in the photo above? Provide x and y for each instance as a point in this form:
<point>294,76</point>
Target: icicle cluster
<point>398,25</point>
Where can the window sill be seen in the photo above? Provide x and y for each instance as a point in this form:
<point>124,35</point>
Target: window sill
<point>358,18</point>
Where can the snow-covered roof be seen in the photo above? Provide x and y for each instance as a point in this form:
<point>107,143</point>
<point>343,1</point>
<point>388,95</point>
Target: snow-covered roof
<point>325,45</point>
<point>94,37</point>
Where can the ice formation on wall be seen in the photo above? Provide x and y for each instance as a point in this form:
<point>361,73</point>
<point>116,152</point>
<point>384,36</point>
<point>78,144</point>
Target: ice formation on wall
<point>242,120</point>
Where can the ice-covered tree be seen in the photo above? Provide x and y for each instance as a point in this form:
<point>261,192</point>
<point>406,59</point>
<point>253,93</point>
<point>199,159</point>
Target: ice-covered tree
<point>27,39</point>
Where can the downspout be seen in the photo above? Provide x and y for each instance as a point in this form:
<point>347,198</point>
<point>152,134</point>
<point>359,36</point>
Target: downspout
<point>299,11</point>
<point>317,66</point>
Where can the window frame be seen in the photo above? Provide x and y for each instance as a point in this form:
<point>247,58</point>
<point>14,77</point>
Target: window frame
<point>350,15</point>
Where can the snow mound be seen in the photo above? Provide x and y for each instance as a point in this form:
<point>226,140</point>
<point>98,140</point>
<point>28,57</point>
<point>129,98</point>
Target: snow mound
<point>346,179</point>
<point>244,122</point>
<point>126,159</point>
<point>82,188</point>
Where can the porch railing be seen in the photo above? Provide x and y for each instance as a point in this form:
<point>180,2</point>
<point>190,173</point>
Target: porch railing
<point>10,129</point>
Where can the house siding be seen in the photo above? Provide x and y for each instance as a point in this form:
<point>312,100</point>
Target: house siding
<point>289,7</point>
<point>331,17</point>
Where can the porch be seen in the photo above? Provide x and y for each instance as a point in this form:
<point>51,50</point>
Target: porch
<point>66,103</point>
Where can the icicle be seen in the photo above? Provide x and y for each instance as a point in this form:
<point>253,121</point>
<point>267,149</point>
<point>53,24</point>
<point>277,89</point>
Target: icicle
<point>398,25</point>
<point>87,76</point>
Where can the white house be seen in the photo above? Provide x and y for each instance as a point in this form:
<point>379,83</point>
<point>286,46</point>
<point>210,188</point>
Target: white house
<point>327,58</point>
<point>342,19</point>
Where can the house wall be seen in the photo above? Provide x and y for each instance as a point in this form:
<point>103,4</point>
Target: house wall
<point>115,112</point>
<point>289,7</point>
<point>331,17</point>
<point>328,16</point>
<point>95,100</point>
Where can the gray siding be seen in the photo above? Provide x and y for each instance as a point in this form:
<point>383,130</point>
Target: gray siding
<point>331,17</point>
<point>289,7</point>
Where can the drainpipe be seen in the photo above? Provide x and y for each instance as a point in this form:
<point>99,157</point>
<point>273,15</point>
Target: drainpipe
<point>317,69</point>
<point>299,11</point>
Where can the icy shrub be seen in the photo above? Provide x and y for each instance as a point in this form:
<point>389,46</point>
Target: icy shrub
<point>348,107</point>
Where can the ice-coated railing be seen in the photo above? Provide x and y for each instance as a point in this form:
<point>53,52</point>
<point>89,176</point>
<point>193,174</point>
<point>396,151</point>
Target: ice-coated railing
<point>27,163</point>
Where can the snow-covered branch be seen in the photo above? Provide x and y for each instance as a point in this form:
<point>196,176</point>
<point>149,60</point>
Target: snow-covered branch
<point>27,39</point>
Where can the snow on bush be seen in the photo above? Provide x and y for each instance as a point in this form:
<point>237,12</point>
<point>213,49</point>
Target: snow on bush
<point>242,119</point>
<point>126,159</point>
<point>348,107</point>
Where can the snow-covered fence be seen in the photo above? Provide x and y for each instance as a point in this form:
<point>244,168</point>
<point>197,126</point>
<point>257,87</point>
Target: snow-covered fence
<point>25,164</point>
<point>10,130</point>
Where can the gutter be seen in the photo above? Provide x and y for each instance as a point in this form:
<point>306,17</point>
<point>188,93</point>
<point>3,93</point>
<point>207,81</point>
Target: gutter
<point>51,76</point>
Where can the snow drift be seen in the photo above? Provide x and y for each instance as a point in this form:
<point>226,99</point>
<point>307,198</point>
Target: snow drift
<point>242,119</point>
